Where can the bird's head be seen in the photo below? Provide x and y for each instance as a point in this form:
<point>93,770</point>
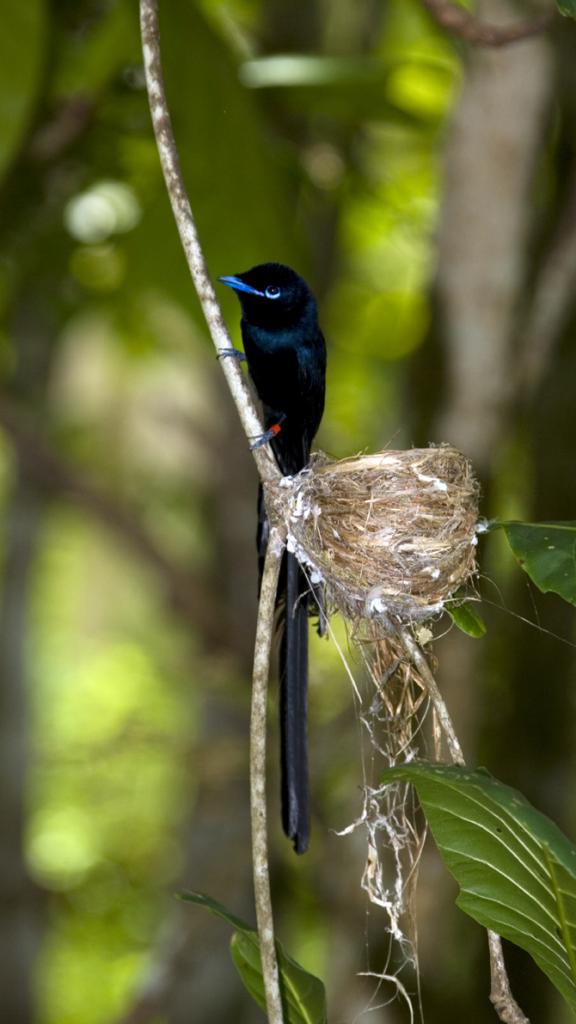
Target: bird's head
<point>272,295</point>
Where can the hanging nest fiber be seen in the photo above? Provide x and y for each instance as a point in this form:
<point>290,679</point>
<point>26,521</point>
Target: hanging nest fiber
<point>391,534</point>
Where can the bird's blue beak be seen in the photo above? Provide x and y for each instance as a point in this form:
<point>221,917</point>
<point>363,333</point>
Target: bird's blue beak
<point>240,286</point>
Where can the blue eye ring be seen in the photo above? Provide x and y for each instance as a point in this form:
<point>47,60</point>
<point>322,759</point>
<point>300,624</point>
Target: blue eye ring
<point>272,291</point>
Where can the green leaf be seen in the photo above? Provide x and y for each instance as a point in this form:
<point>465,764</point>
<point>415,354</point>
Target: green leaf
<point>567,7</point>
<point>515,868</point>
<point>303,994</point>
<point>22,46</point>
<point>216,908</point>
<point>467,619</point>
<point>547,552</point>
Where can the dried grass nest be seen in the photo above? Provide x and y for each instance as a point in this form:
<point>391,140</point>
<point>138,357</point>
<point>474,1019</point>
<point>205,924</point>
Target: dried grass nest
<point>390,534</point>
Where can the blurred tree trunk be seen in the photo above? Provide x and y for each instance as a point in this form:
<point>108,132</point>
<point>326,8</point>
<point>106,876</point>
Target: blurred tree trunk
<point>20,920</point>
<point>486,229</point>
<point>483,298</point>
<point>20,911</point>
<point>485,233</point>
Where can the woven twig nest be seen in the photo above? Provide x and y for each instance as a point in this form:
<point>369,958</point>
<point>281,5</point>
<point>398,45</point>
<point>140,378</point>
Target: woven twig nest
<point>389,534</point>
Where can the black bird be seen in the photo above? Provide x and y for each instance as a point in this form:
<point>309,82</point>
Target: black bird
<point>286,356</point>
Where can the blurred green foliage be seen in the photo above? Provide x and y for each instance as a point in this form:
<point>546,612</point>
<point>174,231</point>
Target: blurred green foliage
<point>21,59</point>
<point>112,772</point>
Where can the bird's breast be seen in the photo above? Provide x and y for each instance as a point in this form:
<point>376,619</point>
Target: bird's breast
<point>282,364</point>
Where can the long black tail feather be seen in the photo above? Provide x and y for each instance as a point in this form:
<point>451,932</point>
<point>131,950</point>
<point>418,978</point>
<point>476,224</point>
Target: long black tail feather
<point>293,603</point>
<point>294,704</point>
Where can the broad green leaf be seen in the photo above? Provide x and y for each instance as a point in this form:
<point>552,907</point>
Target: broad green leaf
<point>515,868</point>
<point>567,7</point>
<point>216,908</point>
<point>22,46</point>
<point>467,618</point>
<point>547,552</point>
<point>303,994</point>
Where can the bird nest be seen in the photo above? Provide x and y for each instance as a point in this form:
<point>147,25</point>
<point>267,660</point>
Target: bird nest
<point>391,534</point>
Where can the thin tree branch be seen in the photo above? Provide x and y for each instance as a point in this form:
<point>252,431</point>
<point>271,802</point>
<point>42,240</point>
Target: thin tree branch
<point>162,125</point>
<point>263,643</point>
<point>471,29</point>
<point>500,992</point>
<point>419,661</point>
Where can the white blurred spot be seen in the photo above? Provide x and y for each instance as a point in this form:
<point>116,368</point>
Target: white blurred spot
<point>106,208</point>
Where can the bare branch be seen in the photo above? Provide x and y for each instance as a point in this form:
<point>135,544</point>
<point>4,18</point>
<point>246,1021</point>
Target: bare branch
<point>68,123</point>
<point>263,643</point>
<point>412,648</point>
<point>472,30</point>
<point>500,993</point>
<point>182,210</point>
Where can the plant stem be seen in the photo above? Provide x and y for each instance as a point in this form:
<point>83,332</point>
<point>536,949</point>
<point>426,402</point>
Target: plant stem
<point>500,992</point>
<point>264,917</point>
<point>438,703</point>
